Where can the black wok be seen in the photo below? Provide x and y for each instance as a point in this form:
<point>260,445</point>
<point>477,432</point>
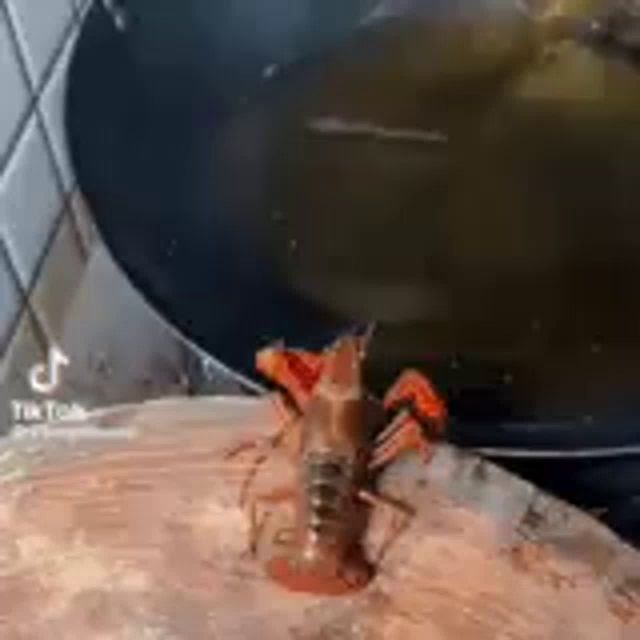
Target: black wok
<point>291,169</point>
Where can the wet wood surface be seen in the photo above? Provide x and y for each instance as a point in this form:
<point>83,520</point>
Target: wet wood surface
<point>130,528</point>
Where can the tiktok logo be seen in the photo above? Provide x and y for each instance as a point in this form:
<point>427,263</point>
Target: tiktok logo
<point>44,378</point>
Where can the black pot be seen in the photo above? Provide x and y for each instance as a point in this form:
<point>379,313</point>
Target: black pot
<point>291,169</point>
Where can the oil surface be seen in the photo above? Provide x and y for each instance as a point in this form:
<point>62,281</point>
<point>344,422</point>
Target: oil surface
<point>475,189</point>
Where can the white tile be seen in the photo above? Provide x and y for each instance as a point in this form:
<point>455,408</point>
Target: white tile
<point>25,350</point>
<point>10,297</point>
<point>120,349</point>
<point>84,223</point>
<point>60,277</point>
<point>52,106</point>
<point>15,96</point>
<point>41,25</point>
<point>82,6</point>
<point>30,201</point>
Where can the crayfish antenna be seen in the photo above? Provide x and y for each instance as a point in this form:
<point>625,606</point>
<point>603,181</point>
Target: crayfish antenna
<point>366,338</point>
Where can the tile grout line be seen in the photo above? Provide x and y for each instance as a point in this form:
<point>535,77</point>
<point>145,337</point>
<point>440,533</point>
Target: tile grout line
<point>25,313</point>
<point>74,27</point>
<point>15,322</point>
<point>44,334</point>
<point>23,119</point>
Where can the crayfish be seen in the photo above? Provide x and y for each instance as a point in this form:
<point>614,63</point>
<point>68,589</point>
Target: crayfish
<point>326,434</point>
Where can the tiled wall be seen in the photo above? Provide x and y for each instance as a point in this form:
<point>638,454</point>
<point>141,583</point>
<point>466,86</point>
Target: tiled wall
<point>54,273</point>
<point>36,40</point>
<point>40,214</point>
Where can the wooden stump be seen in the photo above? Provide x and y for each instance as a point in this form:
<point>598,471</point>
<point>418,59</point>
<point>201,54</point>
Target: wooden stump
<point>137,534</point>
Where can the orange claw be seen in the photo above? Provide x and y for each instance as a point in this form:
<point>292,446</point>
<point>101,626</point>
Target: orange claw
<point>295,370</point>
<point>416,390</point>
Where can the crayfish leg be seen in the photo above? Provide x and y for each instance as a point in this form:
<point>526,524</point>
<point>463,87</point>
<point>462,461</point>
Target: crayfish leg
<point>404,434</point>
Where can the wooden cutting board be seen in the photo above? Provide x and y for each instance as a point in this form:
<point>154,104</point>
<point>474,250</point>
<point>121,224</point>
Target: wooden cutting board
<point>129,528</point>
